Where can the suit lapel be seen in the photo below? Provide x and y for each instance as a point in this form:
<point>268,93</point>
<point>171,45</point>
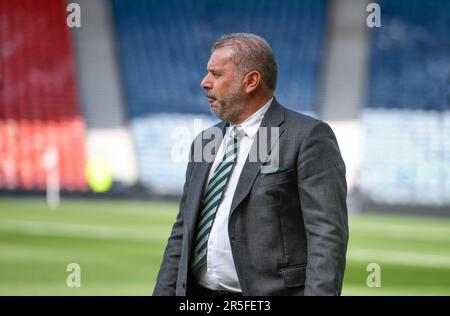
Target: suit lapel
<point>274,117</point>
<point>200,175</point>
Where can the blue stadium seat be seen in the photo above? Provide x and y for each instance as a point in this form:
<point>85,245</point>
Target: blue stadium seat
<point>410,56</point>
<point>407,145</point>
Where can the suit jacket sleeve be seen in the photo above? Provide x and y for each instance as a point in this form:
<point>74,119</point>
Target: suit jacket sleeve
<point>168,273</point>
<point>322,191</point>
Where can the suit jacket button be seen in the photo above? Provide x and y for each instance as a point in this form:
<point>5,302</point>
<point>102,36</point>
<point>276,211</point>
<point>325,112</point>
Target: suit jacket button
<point>184,285</point>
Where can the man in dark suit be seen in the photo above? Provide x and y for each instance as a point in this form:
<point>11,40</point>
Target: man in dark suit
<point>274,225</point>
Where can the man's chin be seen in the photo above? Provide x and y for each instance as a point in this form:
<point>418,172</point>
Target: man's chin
<point>222,112</point>
<point>214,110</point>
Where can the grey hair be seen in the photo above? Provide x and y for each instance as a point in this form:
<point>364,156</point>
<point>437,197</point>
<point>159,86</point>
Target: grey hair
<point>251,52</point>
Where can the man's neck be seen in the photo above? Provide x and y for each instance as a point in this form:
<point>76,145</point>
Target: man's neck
<point>252,106</point>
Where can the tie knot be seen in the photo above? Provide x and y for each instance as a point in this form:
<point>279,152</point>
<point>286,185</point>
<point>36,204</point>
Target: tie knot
<point>237,132</point>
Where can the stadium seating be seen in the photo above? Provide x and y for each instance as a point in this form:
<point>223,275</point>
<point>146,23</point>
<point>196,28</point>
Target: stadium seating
<point>407,157</point>
<point>164,48</point>
<point>38,101</point>
<point>407,151</point>
<point>411,56</point>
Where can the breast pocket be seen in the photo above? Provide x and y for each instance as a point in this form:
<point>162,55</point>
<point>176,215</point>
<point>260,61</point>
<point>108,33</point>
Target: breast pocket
<point>269,190</point>
<point>276,178</point>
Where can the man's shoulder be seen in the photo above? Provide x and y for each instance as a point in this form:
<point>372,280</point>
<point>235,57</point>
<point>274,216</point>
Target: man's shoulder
<point>302,125</point>
<point>299,120</point>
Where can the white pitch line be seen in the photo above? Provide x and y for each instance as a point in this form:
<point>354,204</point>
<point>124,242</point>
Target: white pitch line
<point>399,257</point>
<point>82,231</point>
<point>402,231</point>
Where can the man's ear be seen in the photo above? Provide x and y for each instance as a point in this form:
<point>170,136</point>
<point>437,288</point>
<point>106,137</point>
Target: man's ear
<point>251,81</point>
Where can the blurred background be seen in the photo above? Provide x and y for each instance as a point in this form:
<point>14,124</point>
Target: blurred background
<point>96,123</point>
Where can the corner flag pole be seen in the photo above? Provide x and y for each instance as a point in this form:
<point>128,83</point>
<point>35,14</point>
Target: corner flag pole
<point>51,163</point>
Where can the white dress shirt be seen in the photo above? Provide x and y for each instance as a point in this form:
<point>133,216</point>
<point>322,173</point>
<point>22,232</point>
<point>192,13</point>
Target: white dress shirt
<point>220,272</point>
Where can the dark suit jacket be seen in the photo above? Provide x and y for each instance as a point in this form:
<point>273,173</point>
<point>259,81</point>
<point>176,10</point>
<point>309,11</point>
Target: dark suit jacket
<point>288,231</point>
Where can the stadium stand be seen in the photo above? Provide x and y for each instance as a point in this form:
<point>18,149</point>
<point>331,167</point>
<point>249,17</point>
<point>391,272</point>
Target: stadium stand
<point>156,106</point>
<point>407,152</point>
<point>38,98</point>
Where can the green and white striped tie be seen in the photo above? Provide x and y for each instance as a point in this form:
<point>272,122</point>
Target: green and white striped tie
<point>213,196</point>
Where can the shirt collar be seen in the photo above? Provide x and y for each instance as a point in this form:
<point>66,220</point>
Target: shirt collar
<point>252,123</point>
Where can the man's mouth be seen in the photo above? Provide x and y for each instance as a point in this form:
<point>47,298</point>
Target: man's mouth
<point>211,100</point>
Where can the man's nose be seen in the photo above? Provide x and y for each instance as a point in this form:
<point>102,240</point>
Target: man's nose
<point>206,82</point>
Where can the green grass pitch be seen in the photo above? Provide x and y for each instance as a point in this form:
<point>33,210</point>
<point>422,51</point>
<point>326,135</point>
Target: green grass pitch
<point>119,247</point>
